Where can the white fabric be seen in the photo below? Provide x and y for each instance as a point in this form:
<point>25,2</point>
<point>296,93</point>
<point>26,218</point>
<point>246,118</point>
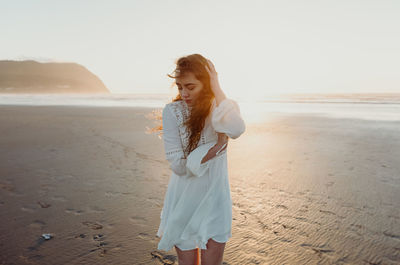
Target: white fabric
<point>197,203</point>
<point>194,167</point>
<point>172,143</point>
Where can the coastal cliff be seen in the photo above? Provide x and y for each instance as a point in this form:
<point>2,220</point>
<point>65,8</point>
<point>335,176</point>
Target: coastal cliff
<point>35,77</point>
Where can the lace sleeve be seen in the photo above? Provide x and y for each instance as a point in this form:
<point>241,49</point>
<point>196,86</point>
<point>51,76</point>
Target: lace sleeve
<point>226,118</point>
<point>172,143</point>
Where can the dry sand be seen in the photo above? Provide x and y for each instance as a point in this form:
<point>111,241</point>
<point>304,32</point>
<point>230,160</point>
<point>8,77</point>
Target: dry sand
<point>305,190</point>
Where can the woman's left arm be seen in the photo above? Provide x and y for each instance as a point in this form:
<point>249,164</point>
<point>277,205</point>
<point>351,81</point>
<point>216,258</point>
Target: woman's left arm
<point>226,117</point>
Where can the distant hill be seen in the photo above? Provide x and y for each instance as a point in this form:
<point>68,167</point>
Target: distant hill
<point>35,77</point>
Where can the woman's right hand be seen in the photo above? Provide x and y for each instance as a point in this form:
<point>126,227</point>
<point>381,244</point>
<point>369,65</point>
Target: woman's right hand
<point>222,140</point>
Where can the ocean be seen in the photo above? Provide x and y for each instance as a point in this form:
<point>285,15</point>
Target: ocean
<point>352,106</point>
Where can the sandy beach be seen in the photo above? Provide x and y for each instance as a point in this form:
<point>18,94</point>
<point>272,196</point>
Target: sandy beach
<point>305,189</point>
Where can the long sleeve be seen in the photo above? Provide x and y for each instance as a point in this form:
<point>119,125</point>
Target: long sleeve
<point>172,142</point>
<point>226,118</point>
<point>194,166</point>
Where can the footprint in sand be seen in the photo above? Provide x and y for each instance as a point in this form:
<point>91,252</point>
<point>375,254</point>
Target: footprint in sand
<point>8,186</point>
<point>117,247</point>
<point>37,224</point>
<point>142,156</point>
<point>137,220</point>
<point>300,218</point>
<point>44,188</point>
<point>129,193</point>
<point>102,252</point>
<point>90,183</point>
<point>100,244</point>
<point>109,226</point>
<point>58,198</point>
<point>100,239</point>
<point>319,249</point>
<point>303,192</point>
<point>327,212</point>
<point>154,201</point>
<point>165,259</point>
<point>288,226</point>
<point>391,235</point>
<point>144,236</point>
<point>384,180</point>
<point>93,225</point>
<point>357,225</point>
<point>35,247</point>
<point>44,204</point>
<point>112,193</point>
<point>393,216</point>
<point>263,225</point>
<point>95,209</point>
<point>284,239</point>
<point>281,206</point>
<point>28,209</point>
<point>80,236</point>
<point>63,177</point>
<point>329,184</point>
<point>76,212</point>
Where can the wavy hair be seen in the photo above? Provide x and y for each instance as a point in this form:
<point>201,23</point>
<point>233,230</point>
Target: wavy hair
<point>196,64</point>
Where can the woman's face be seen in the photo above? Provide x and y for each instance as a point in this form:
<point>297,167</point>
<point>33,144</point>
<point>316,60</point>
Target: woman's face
<point>189,88</point>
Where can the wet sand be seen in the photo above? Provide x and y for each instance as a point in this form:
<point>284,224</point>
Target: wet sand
<point>305,189</point>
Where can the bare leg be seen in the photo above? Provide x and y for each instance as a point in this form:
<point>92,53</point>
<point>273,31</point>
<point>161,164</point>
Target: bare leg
<point>188,257</point>
<point>214,253</point>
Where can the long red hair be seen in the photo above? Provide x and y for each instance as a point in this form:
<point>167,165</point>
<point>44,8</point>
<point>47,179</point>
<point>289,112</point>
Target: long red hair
<point>196,64</point>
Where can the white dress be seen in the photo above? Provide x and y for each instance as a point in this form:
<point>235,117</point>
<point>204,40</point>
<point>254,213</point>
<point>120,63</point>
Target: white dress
<point>197,203</point>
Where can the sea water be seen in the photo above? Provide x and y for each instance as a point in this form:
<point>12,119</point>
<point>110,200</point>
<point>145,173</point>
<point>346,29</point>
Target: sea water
<point>357,106</point>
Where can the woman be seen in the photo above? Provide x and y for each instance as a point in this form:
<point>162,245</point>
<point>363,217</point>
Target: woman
<point>196,125</point>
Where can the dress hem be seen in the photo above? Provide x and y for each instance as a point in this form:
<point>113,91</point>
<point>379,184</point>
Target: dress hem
<point>196,243</point>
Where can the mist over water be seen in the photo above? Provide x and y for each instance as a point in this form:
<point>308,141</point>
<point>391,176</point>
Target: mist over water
<point>358,106</point>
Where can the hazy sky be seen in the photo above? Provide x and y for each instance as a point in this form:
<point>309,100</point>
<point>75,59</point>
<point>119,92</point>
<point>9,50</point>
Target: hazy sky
<point>258,47</point>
